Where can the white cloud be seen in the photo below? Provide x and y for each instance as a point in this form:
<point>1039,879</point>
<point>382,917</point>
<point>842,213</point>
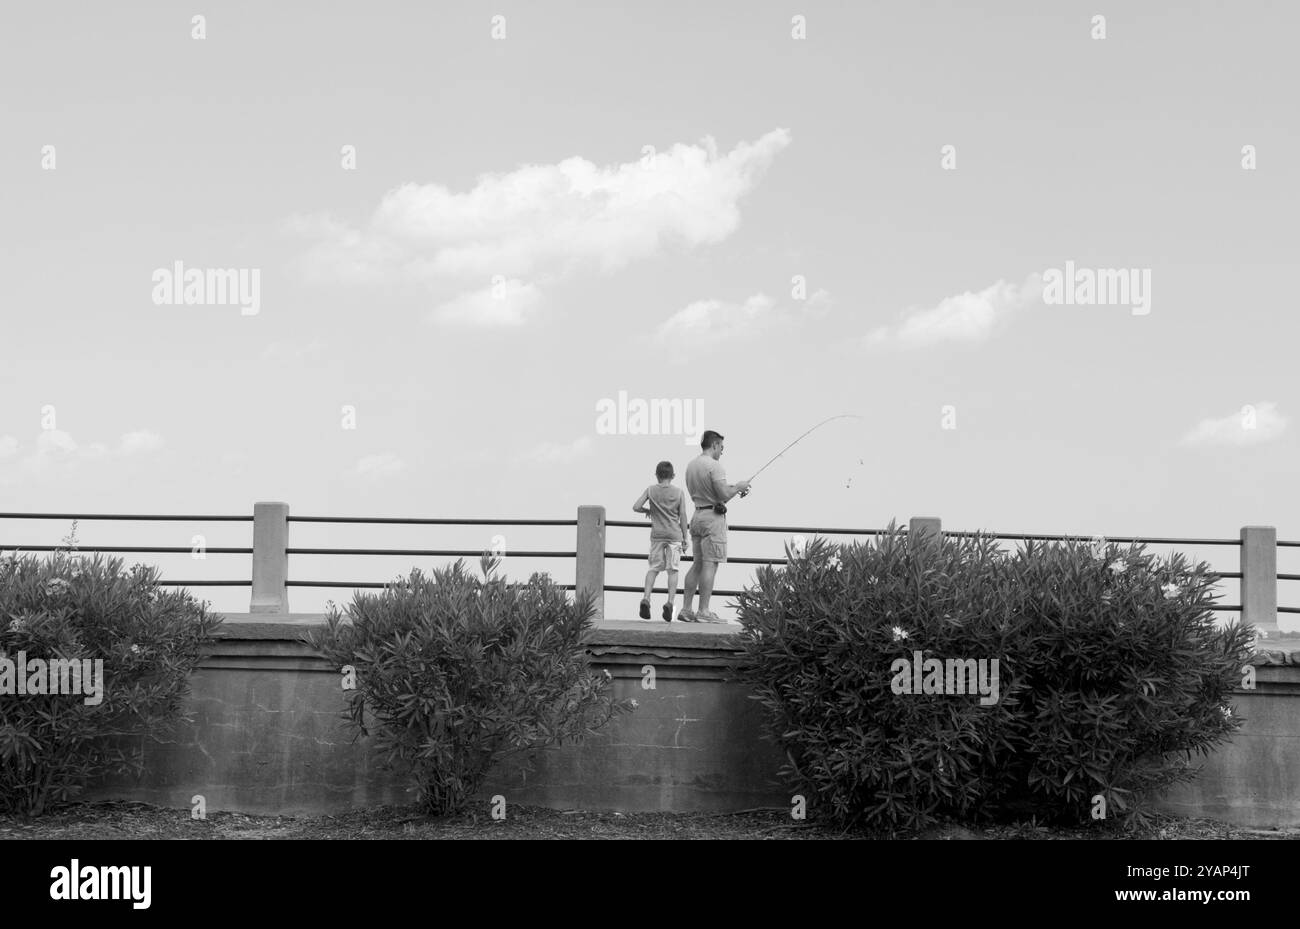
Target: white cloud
<point>1253,424</point>
<point>293,351</point>
<point>377,466</point>
<point>967,317</point>
<point>507,304</point>
<point>705,323</point>
<point>541,223</point>
<point>55,449</point>
<point>557,453</point>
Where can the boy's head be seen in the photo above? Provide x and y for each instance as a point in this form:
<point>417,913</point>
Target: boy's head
<point>664,471</point>
<point>711,443</point>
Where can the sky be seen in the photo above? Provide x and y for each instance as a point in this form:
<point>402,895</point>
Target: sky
<point>474,224</point>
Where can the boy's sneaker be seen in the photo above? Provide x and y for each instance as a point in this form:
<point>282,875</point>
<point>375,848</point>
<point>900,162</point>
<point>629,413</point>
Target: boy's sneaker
<point>645,609</point>
<point>687,616</point>
<point>668,612</point>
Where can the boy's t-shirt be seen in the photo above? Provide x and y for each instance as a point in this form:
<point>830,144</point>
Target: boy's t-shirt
<point>665,503</point>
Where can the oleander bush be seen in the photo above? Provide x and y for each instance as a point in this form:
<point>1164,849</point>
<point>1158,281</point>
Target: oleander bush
<point>455,672</point>
<point>1111,675</point>
<point>59,615</point>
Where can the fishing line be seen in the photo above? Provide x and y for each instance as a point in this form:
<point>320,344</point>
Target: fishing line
<point>800,439</point>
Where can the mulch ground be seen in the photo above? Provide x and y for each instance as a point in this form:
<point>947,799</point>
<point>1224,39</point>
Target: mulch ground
<point>120,820</point>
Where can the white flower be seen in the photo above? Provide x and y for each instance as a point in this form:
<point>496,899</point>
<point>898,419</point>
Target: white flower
<point>1171,590</point>
<point>635,704</point>
<point>899,633</point>
<point>1226,711</point>
<point>835,562</point>
<point>608,676</point>
<point>1118,567</point>
<point>135,649</point>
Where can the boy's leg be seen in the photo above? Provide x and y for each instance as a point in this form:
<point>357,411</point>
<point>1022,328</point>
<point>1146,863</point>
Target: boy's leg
<point>672,586</point>
<point>650,582</point>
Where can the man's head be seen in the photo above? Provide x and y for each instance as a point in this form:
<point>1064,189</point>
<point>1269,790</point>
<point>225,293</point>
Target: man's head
<point>711,442</point>
<point>664,471</point>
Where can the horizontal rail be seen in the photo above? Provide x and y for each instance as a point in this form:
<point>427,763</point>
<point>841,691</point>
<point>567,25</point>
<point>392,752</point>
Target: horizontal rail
<point>205,583</point>
<point>630,524</point>
<point>433,552</point>
<point>134,549</point>
<point>369,585</point>
<point>207,518</point>
<point>630,556</point>
<point>1288,577</point>
<point>1289,544</point>
<point>628,589</point>
<point>403,521</point>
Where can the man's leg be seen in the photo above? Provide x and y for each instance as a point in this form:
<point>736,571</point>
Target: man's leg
<point>708,570</point>
<point>692,576</point>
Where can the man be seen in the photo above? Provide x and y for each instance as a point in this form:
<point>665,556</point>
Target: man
<point>706,483</point>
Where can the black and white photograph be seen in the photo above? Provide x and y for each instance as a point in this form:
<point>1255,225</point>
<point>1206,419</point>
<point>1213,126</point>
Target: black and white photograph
<point>723,424</point>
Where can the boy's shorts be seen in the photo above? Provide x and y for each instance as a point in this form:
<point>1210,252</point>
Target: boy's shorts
<point>709,536</point>
<point>665,556</point>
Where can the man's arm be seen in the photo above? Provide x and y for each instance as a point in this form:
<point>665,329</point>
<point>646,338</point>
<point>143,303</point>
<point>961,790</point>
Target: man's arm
<point>640,505</point>
<point>727,491</point>
<point>686,532</point>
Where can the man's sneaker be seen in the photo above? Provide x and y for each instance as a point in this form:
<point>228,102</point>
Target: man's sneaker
<point>668,612</point>
<point>687,616</point>
<point>645,609</point>
<point>708,616</point>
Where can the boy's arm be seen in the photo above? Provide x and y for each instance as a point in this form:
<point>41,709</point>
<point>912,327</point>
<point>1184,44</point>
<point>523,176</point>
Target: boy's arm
<point>640,505</point>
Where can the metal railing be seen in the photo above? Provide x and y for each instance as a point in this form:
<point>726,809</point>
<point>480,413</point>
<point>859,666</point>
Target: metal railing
<point>270,552</point>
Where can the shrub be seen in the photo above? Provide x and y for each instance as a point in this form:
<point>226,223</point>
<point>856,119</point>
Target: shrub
<point>455,672</point>
<point>72,608</point>
<point>1124,677</point>
<point>1106,676</point>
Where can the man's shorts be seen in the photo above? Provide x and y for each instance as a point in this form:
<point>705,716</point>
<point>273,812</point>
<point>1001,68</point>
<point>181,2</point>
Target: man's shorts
<point>709,536</point>
<point>665,556</point>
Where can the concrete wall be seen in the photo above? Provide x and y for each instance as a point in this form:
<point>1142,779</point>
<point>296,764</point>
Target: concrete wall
<point>268,737</point>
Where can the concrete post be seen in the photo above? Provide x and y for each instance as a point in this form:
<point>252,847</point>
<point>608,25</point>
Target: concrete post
<point>270,558</point>
<point>591,557</point>
<point>1259,578</point>
<point>919,527</point>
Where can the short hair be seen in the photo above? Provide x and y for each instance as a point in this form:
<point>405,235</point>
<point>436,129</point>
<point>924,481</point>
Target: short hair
<point>664,469</point>
<point>709,438</point>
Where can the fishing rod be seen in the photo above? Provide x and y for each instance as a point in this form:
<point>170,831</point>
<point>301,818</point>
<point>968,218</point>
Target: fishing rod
<point>800,439</point>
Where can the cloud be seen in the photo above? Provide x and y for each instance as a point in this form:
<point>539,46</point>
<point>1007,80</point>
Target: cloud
<point>540,223</point>
<point>293,351</point>
<point>55,449</point>
<point>505,304</point>
<point>967,317</point>
<point>556,453</point>
<point>377,466</point>
<point>1252,425</point>
<point>704,323</point>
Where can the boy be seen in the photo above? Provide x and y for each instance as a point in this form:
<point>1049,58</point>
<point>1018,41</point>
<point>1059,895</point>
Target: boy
<point>666,507</point>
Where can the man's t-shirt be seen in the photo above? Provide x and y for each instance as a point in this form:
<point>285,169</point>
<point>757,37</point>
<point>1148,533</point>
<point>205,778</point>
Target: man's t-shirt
<point>706,482</point>
<point>665,503</point>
